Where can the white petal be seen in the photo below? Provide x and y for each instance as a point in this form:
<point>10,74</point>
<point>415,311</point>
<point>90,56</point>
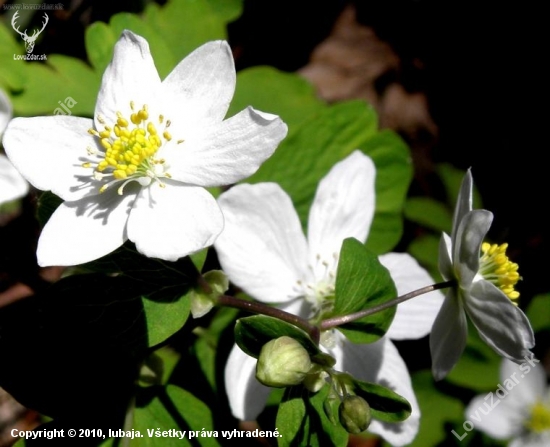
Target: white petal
<point>12,185</point>
<point>343,205</point>
<point>448,337</point>
<point>262,248</point>
<point>463,202</point>
<point>85,230</point>
<point>6,111</point>
<point>500,324</point>
<point>228,152</point>
<point>532,440</point>
<point>131,76</point>
<point>198,91</point>
<point>247,396</point>
<point>445,263</point>
<point>467,243</point>
<point>494,416</point>
<point>381,363</point>
<point>530,377</point>
<point>414,318</point>
<point>503,412</point>
<point>174,221</point>
<point>49,152</point>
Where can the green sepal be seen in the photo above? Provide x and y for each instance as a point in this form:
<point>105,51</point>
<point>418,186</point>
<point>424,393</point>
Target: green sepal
<point>201,301</point>
<point>251,333</point>
<point>362,282</point>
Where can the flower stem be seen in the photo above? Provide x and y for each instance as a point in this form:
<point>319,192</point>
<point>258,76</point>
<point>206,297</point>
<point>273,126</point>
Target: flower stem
<point>263,309</point>
<point>340,320</point>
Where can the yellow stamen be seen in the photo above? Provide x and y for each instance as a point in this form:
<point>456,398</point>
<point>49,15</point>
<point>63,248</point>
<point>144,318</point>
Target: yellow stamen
<point>540,418</point>
<point>495,267</point>
<point>130,148</point>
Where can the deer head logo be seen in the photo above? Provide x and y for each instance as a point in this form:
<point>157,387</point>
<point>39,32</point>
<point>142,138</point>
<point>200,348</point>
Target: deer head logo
<point>29,40</point>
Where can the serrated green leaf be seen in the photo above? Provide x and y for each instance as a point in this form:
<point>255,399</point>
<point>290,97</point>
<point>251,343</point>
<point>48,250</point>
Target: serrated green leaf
<point>429,213</point>
<point>251,333</point>
<point>437,410</point>
<point>291,418</point>
<point>538,312</point>
<point>386,405</point>
<point>362,282</point>
<point>303,158</point>
<point>285,94</point>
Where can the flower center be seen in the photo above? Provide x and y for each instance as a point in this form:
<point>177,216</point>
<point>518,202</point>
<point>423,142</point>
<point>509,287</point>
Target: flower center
<point>495,267</point>
<point>130,148</point>
<point>319,289</point>
<point>540,418</point>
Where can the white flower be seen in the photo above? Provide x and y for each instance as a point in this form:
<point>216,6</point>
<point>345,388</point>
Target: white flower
<point>484,288</point>
<point>139,170</point>
<point>263,250</point>
<point>12,185</point>
<point>519,408</point>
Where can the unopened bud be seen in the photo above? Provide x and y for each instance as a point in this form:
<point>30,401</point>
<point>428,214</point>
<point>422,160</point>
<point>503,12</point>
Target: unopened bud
<point>282,362</point>
<point>354,414</point>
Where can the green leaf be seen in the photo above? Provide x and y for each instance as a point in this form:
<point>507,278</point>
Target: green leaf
<point>307,155</point>
<point>12,72</point>
<point>100,40</point>
<point>362,282</point>
<point>228,10</point>
<point>165,318</point>
<point>173,408</point>
<point>452,179</point>
<point>385,404</point>
<point>48,86</point>
<point>429,213</point>
<point>158,367</point>
<point>166,299</point>
<point>251,333</point>
<point>184,25</point>
<point>206,346</point>
<point>161,50</point>
<point>425,249</point>
<point>437,410</point>
<point>329,431</point>
<point>285,94</point>
<point>538,312</point>
<point>291,417</point>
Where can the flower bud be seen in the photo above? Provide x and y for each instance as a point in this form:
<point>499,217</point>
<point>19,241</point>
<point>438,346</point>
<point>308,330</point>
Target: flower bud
<point>282,362</point>
<point>354,414</point>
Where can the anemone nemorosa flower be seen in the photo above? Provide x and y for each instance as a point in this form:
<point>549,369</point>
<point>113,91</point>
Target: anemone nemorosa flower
<point>139,169</point>
<point>12,185</point>
<point>264,251</point>
<point>484,290</point>
<point>521,408</point>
